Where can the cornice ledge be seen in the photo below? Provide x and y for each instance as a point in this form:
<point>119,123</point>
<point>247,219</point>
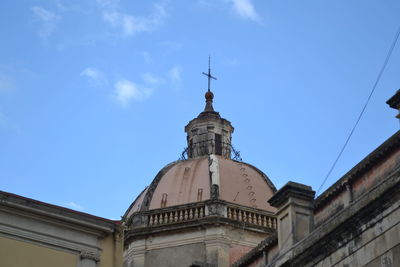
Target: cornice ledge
<point>90,255</point>
<point>199,223</point>
<point>77,219</point>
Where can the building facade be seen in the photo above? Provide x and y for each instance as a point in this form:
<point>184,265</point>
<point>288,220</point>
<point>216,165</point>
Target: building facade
<point>355,222</point>
<point>203,210</point>
<point>38,234</point>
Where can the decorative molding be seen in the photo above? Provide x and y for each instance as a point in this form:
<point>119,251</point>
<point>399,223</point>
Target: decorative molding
<point>89,255</point>
<point>44,211</point>
<point>44,240</point>
<point>291,189</point>
<point>44,233</point>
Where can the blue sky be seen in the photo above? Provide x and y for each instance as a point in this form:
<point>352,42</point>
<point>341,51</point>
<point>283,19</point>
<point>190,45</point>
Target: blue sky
<point>94,95</point>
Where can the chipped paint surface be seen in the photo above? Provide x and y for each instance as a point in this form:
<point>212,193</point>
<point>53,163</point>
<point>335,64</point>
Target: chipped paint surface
<point>237,251</point>
<point>182,183</point>
<point>241,183</point>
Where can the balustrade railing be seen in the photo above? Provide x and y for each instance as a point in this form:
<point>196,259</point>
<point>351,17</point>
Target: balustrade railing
<point>195,211</point>
<point>251,217</point>
<point>175,216</point>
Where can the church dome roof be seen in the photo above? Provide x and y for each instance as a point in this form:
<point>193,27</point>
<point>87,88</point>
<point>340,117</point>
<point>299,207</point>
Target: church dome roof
<point>209,172</point>
<point>189,181</point>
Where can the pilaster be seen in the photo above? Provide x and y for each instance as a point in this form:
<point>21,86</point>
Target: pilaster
<point>295,213</point>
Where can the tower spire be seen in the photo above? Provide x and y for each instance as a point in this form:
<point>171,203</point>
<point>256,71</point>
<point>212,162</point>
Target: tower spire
<point>209,95</point>
<point>209,75</point>
<point>209,134</point>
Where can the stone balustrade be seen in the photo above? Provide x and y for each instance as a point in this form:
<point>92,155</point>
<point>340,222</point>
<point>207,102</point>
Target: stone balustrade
<point>203,210</point>
<point>256,217</point>
<point>175,216</point>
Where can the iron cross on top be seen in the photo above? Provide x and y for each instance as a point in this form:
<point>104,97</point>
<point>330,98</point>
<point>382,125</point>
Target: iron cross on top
<point>209,75</point>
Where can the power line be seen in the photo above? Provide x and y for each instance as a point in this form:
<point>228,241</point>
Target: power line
<point>396,37</point>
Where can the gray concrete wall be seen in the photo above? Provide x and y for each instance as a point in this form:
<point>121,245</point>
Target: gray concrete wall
<point>377,245</point>
<point>178,256</point>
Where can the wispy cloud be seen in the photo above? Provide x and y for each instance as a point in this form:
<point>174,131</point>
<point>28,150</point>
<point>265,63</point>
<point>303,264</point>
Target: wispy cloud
<point>130,25</point>
<point>175,75</point>
<point>74,206</point>
<point>125,91</point>
<point>152,79</point>
<point>172,78</point>
<point>147,57</point>
<point>47,19</point>
<point>245,9</point>
<point>94,75</point>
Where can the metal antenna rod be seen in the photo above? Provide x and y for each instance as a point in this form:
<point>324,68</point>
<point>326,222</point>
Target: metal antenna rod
<point>209,76</point>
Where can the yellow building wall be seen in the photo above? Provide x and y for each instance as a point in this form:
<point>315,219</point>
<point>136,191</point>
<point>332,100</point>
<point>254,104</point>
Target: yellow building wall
<point>107,255</point>
<point>112,252</point>
<point>14,253</point>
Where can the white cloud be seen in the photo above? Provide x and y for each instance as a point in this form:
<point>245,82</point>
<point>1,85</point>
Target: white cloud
<point>48,20</point>
<point>245,9</point>
<point>130,25</point>
<point>147,57</point>
<point>175,75</point>
<point>126,91</point>
<point>74,206</point>
<point>152,79</point>
<point>94,75</point>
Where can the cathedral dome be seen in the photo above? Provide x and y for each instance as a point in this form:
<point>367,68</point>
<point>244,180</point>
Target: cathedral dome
<point>208,172</point>
<point>206,209</point>
<point>190,181</point>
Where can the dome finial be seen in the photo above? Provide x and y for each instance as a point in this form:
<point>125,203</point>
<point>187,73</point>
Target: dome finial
<point>209,95</point>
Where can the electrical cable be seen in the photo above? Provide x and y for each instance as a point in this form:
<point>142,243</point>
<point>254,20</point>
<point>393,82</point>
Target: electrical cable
<point>365,106</point>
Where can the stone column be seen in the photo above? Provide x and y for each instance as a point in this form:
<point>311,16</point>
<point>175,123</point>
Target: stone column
<point>136,254</point>
<point>295,213</point>
<point>217,247</point>
<point>88,259</point>
<point>216,241</point>
<point>215,207</point>
<point>118,246</point>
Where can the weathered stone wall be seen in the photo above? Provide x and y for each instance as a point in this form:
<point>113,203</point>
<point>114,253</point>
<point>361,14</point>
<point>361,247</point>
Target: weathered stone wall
<point>356,221</point>
<point>242,241</point>
<point>375,174</point>
<point>258,262</point>
<point>213,245</point>
<point>377,243</point>
<point>177,256</point>
<point>237,251</point>
<point>272,252</point>
<point>339,202</point>
<point>354,189</point>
